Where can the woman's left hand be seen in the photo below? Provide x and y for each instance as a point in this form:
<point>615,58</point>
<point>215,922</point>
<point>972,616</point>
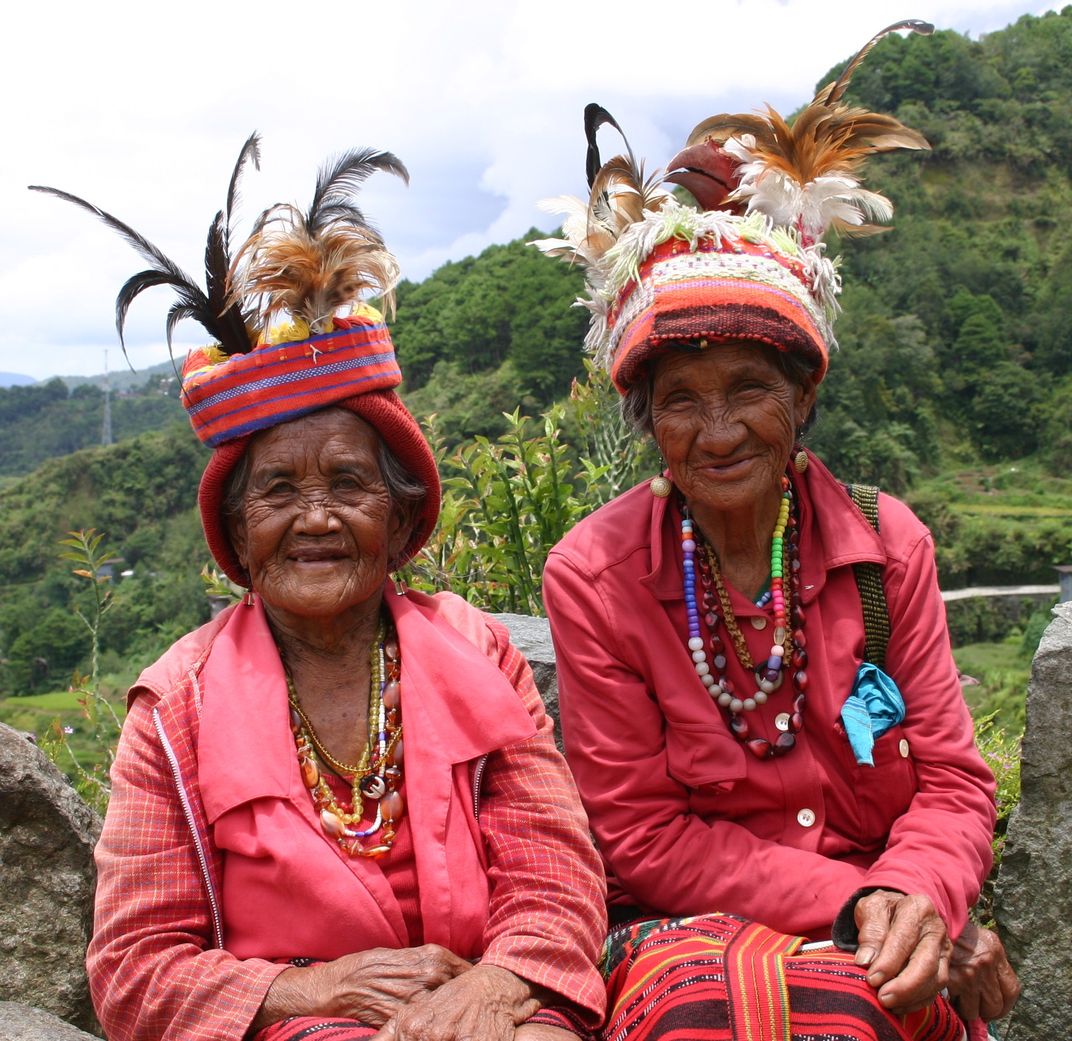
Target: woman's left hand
<point>906,947</point>
<point>485,1003</point>
<point>982,983</point>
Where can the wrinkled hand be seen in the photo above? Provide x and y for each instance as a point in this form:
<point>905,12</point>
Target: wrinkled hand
<point>982,983</point>
<point>484,1004</point>
<point>905,945</point>
<point>370,986</point>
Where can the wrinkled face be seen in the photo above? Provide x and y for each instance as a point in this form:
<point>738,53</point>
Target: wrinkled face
<point>317,526</point>
<point>725,420</point>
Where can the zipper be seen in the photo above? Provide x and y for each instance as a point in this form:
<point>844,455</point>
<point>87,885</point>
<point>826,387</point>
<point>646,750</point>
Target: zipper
<point>176,773</point>
<point>478,777</point>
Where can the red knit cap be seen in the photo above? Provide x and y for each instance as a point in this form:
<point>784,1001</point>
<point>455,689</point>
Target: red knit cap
<point>384,411</point>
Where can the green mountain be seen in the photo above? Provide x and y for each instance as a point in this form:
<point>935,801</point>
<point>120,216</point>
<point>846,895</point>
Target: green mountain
<point>953,384</point>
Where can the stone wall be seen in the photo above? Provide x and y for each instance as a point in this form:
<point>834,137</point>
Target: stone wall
<point>1033,901</point>
<point>47,834</point>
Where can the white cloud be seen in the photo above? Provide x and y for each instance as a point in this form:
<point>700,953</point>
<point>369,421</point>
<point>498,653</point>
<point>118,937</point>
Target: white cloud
<point>142,110</point>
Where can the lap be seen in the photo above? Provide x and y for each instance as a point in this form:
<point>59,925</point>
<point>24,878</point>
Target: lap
<point>719,977</point>
<point>316,1028</point>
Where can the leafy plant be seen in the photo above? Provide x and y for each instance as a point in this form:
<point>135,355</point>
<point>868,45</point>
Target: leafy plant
<point>84,548</point>
<point>1001,751</point>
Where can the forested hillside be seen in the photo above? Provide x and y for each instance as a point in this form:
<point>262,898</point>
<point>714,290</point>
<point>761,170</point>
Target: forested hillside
<point>953,385</point>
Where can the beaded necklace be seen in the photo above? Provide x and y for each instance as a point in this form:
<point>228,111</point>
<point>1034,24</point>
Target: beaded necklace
<point>378,776</point>
<point>787,651</point>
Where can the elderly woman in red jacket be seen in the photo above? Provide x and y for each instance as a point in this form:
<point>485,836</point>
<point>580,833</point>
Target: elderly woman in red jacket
<point>756,783</point>
<point>274,862</point>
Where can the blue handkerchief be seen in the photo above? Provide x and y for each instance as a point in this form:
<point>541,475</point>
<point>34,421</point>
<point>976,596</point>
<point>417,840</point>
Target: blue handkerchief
<point>874,706</point>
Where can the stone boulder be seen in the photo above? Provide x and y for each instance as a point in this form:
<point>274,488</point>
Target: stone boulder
<point>1033,898</point>
<point>47,834</point>
<point>20,1022</point>
<point>532,637</point>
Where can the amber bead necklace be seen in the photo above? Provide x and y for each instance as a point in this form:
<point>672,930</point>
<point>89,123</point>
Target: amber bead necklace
<point>378,776</point>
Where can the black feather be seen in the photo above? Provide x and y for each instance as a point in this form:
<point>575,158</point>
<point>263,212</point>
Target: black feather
<point>251,152</point>
<point>163,272</point>
<point>595,116</point>
<point>233,321</point>
<point>339,180</point>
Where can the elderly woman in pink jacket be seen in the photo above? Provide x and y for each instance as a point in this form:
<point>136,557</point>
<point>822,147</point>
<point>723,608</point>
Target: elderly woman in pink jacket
<point>758,697</point>
<point>278,860</point>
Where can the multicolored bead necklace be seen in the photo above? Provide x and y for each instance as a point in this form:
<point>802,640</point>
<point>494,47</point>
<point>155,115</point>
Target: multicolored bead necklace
<point>378,776</point>
<point>787,651</point>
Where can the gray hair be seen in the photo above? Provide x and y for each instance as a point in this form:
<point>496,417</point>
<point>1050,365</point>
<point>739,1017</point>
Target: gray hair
<point>636,402</point>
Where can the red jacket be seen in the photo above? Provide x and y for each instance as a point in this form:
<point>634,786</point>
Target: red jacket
<point>514,880</point>
<point>687,820</point>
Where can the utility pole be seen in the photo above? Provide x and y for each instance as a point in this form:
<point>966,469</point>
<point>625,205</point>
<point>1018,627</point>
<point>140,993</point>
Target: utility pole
<point>106,424</point>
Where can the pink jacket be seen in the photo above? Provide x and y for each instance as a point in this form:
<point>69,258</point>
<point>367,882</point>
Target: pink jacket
<point>206,777</point>
<point>687,820</point>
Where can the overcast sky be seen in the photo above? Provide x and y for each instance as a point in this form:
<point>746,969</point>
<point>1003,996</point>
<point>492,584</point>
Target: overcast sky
<point>141,108</point>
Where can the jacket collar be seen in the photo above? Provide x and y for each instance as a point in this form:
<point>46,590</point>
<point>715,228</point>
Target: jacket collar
<point>456,705</point>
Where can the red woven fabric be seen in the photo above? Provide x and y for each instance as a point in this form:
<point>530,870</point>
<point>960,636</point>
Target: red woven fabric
<point>721,978</point>
<point>276,383</point>
<point>733,291</point>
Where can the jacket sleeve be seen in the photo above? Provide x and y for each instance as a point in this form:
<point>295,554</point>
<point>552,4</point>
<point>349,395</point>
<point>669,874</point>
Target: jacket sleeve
<point>942,845</point>
<point>547,916</point>
<point>153,972</point>
<point>666,858</point>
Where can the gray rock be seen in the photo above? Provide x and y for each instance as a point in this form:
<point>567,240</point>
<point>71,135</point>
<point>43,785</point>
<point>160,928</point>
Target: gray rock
<point>47,835</point>
<point>532,637</point>
<point>20,1022</point>
<point>1033,899</point>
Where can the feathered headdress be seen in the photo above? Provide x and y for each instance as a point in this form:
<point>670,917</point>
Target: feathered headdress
<point>747,264</point>
<point>310,268</point>
<point>305,266</point>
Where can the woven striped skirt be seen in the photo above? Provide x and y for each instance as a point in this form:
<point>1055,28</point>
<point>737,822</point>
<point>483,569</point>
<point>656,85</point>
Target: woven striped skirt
<point>723,978</point>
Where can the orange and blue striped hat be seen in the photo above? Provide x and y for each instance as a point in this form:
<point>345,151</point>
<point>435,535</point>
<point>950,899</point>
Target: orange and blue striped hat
<point>231,396</point>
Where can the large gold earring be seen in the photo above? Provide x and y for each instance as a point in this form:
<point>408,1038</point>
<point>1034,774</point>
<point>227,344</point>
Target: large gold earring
<point>800,460</point>
<point>661,486</point>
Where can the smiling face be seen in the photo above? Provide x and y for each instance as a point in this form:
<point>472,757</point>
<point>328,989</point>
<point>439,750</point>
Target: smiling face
<point>725,420</point>
<point>317,526</point>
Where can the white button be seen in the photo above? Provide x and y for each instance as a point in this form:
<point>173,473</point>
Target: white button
<point>903,748</point>
<point>781,721</point>
<point>806,818</point>
<point>758,621</point>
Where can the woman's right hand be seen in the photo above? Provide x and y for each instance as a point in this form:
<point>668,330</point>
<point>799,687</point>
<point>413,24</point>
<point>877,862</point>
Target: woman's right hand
<point>904,943</point>
<point>370,986</point>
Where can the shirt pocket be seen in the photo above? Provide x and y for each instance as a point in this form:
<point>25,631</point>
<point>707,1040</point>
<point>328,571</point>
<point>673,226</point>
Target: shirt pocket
<point>701,755</point>
<point>884,791</point>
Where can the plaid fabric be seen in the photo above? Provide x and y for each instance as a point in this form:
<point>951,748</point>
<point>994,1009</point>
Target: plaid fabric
<point>276,383</point>
<point>155,968</point>
<point>722,978</point>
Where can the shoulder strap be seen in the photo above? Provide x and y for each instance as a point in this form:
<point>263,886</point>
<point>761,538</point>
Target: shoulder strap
<point>869,582</point>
